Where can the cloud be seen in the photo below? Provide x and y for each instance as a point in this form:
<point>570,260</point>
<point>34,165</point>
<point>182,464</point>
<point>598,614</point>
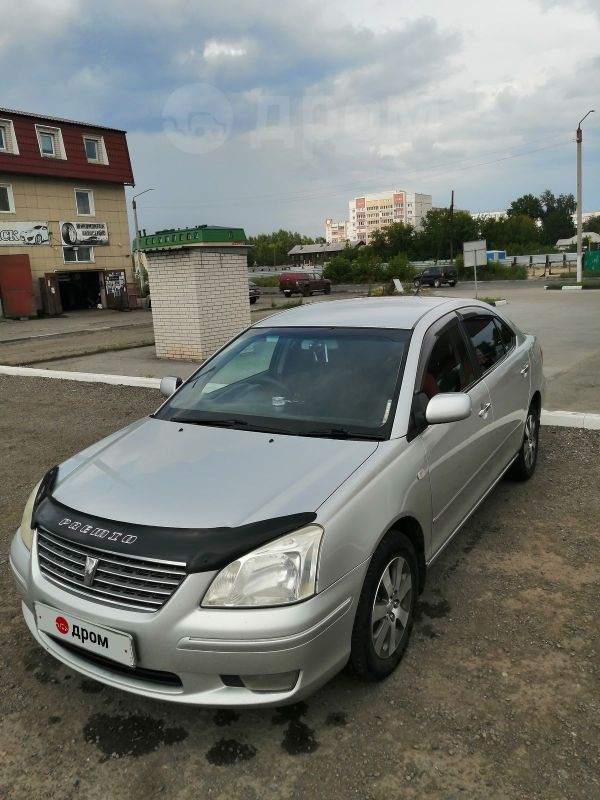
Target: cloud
<point>276,113</point>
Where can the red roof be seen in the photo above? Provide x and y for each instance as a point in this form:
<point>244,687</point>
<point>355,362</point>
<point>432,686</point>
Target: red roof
<point>30,161</point>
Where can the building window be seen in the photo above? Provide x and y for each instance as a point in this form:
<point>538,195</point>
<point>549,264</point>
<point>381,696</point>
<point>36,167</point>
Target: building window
<point>95,150</point>
<point>75,255</point>
<point>50,142</point>
<point>8,140</point>
<point>84,202</point>
<point>7,201</point>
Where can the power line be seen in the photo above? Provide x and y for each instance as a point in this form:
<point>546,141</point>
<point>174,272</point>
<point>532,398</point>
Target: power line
<point>293,197</point>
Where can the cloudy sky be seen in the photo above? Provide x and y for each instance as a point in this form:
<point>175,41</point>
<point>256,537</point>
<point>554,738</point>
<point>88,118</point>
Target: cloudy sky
<point>273,113</point>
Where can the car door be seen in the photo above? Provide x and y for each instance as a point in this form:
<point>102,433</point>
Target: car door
<point>504,363</point>
<point>457,453</point>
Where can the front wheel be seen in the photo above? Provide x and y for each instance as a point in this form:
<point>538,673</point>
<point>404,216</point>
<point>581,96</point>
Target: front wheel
<point>386,608</point>
<point>306,292</point>
<point>452,283</point>
<point>327,289</point>
<point>437,283</point>
<point>287,292</point>
<point>524,466</point>
<point>416,283</point>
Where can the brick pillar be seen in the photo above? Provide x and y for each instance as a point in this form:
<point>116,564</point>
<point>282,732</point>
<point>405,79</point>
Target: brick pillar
<point>199,298</point>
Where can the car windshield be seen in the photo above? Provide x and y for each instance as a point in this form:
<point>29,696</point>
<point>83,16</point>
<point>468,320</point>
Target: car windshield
<point>338,382</point>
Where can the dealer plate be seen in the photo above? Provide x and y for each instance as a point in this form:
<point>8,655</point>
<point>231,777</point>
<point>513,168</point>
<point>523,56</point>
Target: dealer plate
<point>107,642</point>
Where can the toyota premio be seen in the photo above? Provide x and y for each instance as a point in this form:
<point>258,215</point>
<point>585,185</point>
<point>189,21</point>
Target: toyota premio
<point>276,517</point>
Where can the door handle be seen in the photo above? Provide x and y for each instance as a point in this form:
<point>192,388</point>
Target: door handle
<point>485,407</point>
<point>525,370</point>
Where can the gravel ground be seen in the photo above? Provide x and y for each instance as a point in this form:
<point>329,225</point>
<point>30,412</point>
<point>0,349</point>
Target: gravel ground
<point>497,697</point>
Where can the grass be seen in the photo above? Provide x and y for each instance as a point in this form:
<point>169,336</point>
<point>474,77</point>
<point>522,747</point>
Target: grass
<point>269,281</point>
<point>490,300</point>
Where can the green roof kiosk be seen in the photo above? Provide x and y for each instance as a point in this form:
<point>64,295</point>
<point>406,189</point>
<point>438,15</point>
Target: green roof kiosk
<point>198,280</point>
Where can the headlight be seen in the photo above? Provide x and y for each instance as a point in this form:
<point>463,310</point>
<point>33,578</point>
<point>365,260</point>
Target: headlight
<point>26,529</point>
<point>281,572</point>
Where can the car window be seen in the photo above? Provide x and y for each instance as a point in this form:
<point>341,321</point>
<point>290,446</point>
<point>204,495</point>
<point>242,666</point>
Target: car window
<point>486,338</point>
<point>507,336</point>
<point>448,367</point>
<point>297,379</point>
<point>253,359</point>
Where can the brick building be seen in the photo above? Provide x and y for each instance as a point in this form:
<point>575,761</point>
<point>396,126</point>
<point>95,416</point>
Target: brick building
<point>198,280</point>
<point>64,232</point>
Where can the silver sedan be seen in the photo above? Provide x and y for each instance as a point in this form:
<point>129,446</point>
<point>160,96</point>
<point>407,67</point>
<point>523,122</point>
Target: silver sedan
<point>276,517</point>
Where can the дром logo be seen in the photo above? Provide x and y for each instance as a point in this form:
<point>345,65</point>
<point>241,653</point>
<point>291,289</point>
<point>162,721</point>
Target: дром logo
<point>62,625</point>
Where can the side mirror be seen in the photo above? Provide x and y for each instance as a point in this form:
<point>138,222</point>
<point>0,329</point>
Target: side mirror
<point>169,385</point>
<point>448,407</point>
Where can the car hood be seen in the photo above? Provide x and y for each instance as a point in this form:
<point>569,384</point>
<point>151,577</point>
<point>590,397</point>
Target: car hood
<point>166,474</point>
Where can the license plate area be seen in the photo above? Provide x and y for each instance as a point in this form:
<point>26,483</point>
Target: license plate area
<point>108,642</point>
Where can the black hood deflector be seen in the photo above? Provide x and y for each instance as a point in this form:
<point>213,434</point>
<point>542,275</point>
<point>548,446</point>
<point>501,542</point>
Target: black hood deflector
<point>200,549</point>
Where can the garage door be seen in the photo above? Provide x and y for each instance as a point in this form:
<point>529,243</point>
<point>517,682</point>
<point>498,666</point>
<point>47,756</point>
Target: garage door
<point>16,286</point>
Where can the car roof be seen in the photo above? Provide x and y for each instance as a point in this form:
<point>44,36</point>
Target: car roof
<point>362,312</point>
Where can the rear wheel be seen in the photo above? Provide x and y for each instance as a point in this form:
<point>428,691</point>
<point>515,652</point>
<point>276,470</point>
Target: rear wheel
<point>524,467</point>
<point>452,283</point>
<point>416,282</point>
<point>306,292</point>
<point>253,300</point>
<point>327,289</point>
<point>287,292</point>
<point>437,283</point>
<point>386,608</point>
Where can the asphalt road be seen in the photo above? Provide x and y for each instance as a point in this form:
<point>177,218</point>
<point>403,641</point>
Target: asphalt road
<point>497,697</point>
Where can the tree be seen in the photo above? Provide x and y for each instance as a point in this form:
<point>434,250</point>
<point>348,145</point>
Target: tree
<point>528,205</point>
<point>593,224</point>
<point>557,216</point>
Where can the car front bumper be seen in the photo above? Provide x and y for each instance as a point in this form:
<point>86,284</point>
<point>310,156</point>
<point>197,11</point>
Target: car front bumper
<point>184,652</point>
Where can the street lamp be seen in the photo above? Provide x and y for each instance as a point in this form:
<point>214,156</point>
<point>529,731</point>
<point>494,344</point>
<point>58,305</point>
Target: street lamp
<point>579,139</point>
<point>137,229</point>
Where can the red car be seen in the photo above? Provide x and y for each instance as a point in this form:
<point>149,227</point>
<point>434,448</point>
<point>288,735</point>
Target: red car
<point>304,283</point>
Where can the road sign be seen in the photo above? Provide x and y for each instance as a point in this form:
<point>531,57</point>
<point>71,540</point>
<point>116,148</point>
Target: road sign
<point>475,255</point>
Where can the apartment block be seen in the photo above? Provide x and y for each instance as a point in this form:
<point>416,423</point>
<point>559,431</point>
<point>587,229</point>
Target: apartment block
<point>375,212</point>
<point>336,232</point>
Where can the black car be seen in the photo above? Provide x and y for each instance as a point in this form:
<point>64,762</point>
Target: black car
<point>436,276</point>
<point>253,291</point>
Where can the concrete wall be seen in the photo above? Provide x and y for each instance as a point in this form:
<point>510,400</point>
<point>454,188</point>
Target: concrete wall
<point>53,200</point>
<point>199,299</point>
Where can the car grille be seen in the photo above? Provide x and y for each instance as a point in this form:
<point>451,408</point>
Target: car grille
<point>139,583</point>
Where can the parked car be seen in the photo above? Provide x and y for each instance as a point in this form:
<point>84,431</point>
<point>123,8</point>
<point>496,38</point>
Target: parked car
<point>253,291</point>
<point>277,516</point>
<point>304,283</point>
<point>436,276</point>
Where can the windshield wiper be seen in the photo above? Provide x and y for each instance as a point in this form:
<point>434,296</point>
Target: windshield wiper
<point>221,422</point>
<point>341,433</point>
<point>227,422</point>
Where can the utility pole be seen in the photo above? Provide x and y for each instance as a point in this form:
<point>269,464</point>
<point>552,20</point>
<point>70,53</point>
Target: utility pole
<point>450,221</point>
<point>579,139</point>
<point>137,259</point>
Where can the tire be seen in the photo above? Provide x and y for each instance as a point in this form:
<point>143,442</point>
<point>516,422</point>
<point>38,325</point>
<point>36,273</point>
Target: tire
<point>306,292</point>
<point>253,300</point>
<point>524,467</point>
<point>327,289</point>
<point>452,283</point>
<point>416,283</point>
<point>437,283</point>
<point>373,654</point>
<point>38,239</point>
<point>287,292</point>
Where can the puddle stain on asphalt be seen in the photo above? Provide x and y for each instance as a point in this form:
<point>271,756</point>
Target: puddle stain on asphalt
<point>42,666</point>
<point>298,738</point>
<point>226,752</point>
<point>90,686</point>
<point>118,736</point>
<point>432,610</point>
<point>224,716</point>
<point>337,719</point>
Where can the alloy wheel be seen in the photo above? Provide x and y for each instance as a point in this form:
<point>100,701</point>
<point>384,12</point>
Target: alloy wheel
<point>391,607</point>
<point>530,440</point>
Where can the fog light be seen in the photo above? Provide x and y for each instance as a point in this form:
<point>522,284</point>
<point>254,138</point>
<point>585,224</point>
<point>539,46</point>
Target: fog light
<point>277,682</point>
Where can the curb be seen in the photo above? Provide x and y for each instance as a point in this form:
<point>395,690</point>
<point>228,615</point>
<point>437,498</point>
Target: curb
<point>562,419</point>
<point>85,377</point>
